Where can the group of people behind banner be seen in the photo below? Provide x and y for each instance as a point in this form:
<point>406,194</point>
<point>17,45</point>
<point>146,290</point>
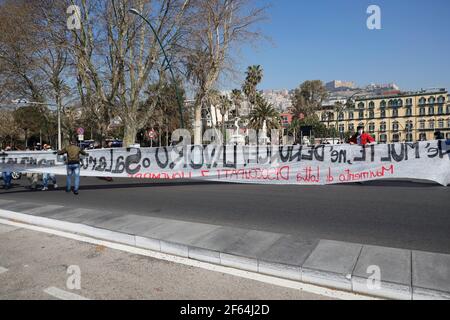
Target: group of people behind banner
<point>73,155</point>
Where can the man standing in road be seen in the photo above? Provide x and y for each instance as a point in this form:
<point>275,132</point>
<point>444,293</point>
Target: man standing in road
<point>73,153</point>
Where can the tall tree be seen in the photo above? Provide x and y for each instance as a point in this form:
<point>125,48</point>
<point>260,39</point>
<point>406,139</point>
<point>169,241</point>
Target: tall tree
<point>253,78</point>
<point>236,98</point>
<point>218,26</point>
<point>308,98</point>
<point>118,56</point>
<point>264,111</point>
<point>20,73</point>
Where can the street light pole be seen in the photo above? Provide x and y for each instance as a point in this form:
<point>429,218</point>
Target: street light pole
<point>180,105</point>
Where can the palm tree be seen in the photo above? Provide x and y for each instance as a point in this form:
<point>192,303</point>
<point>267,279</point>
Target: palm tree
<point>224,105</point>
<point>254,74</point>
<point>236,97</point>
<point>264,111</point>
<point>254,77</point>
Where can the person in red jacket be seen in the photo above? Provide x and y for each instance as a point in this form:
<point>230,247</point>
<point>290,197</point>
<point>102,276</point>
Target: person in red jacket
<point>361,138</point>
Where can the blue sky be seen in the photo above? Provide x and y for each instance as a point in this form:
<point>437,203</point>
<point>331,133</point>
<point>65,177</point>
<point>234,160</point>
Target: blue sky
<point>329,39</point>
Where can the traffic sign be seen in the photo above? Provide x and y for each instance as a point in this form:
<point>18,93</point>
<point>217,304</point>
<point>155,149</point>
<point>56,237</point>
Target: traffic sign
<point>80,131</point>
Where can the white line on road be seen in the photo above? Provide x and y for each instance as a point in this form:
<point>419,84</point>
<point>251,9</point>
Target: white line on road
<point>3,270</point>
<point>332,293</point>
<point>63,295</point>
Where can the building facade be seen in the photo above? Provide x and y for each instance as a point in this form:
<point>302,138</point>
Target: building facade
<point>408,116</point>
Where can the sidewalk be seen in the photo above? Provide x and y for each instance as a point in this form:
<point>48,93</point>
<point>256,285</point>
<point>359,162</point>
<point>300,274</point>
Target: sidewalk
<point>405,274</point>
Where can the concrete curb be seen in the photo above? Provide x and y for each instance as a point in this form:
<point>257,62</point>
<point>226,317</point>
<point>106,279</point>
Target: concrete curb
<point>328,279</point>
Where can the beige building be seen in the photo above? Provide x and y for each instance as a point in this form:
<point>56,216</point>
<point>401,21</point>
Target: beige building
<point>408,116</point>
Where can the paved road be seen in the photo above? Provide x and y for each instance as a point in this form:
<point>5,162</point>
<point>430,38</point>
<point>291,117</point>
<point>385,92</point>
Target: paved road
<point>393,214</point>
<point>35,266</point>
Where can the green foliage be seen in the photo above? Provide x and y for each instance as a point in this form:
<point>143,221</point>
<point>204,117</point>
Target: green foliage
<point>308,98</point>
<point>253,78</point>
<point>264,111</point>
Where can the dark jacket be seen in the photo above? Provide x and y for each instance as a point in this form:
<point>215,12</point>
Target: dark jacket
<point>73,154</point>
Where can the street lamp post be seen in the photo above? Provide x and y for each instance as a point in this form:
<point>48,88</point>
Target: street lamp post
<point>180,105</point>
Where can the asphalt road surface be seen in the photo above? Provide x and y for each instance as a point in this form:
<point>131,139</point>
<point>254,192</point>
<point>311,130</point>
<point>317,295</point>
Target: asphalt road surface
<point>39,266</point>
<point>394,214</point>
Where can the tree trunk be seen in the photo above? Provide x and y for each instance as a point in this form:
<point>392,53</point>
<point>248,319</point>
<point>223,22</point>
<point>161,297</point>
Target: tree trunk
<point>130,132</point>
<point>198,125</point>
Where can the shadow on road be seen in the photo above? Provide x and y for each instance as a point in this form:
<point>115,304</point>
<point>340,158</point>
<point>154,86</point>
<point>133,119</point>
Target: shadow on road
<point>17,188</point>
<point>117,184</point>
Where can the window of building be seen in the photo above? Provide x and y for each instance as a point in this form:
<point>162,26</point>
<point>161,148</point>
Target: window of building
<point>423,137</point>
<point>422,111</point>
<point>441,100</point>
<point>395,126</point>
<point>431,124</point>
<point>341,128</point>
<point>441,123</point>
<point>383,104</point>
<point>431,100</point>
<point>422,124</point>
<point>440,109</point>
<point>409,137</point>
<point>361,115</point>
<point>383,126</point>
<point>324,117</point>
<point>448,135</point>
<point>371,114</point>
<point>383,113</point>
<point>391,103</point>
<point>351,127</point>
<point>372,105</point>
<point>409,112</point>
<point>383,138</point>
<point>395,112</point>
<point>396,138</point>
<point>351,116</point>
<point>361,105</point>
<point>448,123</point>
<point>341,116</point>
<point>409,125</point>
<point>431,111</point>
<point>448,109</point>
<point>371,127</point>
<point>422,101</point>
<point>399,103</point>
<point>409,102</point>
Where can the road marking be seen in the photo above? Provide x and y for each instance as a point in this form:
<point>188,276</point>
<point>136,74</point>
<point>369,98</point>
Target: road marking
<point>331,293</point>
<point>63,295</point>
<point>3,270</point>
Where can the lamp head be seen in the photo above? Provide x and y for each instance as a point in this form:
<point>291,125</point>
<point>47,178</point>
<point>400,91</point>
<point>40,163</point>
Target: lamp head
<point>134,11</point>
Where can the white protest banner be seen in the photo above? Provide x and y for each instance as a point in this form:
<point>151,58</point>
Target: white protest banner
<point>317,165</point>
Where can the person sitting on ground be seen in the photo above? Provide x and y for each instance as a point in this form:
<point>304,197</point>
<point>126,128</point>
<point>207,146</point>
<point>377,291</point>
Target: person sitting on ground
<point>48,176</point>
<point>361,138</point>
<point>73,153</point>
